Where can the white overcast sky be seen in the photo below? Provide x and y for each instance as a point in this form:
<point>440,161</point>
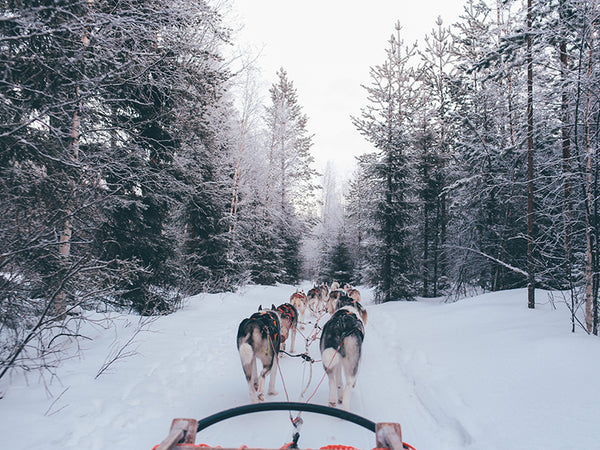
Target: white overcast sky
<point>327,48</point>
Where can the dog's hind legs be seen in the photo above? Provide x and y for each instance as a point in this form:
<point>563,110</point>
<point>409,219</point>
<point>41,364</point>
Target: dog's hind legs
<point>273,377</point>
<point>332,387</point>
<point>253,393</point>
<point>261,388</point>
<point>332,364</point>
<point>293,338</point>
<point>253,382</point>
<point>350,383</point>
<point>339,382</point>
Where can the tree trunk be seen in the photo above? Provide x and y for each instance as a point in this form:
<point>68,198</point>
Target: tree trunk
<point>236,188</point>
<point>270,173</point>
<point>387,265</point>
<point>530,231</point>
<point>64,246</point>
<point>566,166</point>
<point>590,244</point>
<point>426,251</point>
<point>589,232</point>
<point>437,246</point>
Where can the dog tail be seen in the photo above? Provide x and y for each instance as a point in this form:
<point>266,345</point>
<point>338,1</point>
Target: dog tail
<point>331,358</point>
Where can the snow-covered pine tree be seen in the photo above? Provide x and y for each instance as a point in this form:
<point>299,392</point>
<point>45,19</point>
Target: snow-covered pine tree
<point>385,122</point>
<point>328,228</point>
<point>339,265</point>
<point>47,191</point>
<point>206,262</point>
<point>158,108</point>
<point>359,218</point>
<point>433,137</point>
<point>290,191</point>
<point>486,237</point>
<point>91,131</point>
<point>583,18</point>
<point>246,157</point>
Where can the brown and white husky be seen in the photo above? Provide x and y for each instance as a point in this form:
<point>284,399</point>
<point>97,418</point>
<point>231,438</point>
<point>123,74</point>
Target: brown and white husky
<point>298,299</point>
<point>314,300</point>
<point>288,315</point>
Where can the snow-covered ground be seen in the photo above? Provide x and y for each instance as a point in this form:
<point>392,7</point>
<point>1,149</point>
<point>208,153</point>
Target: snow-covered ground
<point>481,373</point>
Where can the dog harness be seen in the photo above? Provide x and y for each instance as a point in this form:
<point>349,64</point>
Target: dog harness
<point>270,326</point>
<point>358,324</point>
<point>343,323</point>
<point>299,294</point>
<point>287,311</point>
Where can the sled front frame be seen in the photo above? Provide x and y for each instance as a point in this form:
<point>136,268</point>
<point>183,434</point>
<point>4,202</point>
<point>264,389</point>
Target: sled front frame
<point>183,435</point>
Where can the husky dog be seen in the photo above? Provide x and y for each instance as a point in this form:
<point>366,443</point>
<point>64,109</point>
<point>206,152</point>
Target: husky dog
<point>341,346</point>
<point>313,297</point>
<point>334,296</point>
<point>346,300</point>
<point>324,293</point>
<point>353,293</point>
<point>298,299</point>
<point>288,315</point>
<point>259,337</point>
<point>335,286</point>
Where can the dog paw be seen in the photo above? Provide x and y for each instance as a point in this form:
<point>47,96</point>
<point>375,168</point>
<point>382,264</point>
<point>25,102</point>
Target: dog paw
<point>333,404</point>
<point>261,397</point>
<point>273,392</point>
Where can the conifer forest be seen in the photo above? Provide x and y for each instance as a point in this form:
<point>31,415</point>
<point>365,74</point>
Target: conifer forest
<point>138,166</point>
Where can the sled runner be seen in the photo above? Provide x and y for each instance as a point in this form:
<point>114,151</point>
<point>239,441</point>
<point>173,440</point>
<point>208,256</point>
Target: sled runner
<point>183,431</point>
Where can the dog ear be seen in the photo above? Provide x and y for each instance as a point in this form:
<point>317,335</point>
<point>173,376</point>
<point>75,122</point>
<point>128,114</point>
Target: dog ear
<point>273,306</point>
<point>260,307</point>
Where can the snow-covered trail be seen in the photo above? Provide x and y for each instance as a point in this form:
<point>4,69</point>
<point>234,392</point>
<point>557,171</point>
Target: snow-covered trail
<point>482,373</point>
<point>406,389</point>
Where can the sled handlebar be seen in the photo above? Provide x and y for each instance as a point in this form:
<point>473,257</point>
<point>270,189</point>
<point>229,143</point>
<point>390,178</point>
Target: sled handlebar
<point>183,431</point>
<point>286,406</point>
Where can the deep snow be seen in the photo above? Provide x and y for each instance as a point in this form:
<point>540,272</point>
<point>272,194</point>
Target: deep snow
<point>481,373</point>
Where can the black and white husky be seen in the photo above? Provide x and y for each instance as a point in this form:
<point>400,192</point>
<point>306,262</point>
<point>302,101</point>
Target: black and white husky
<point>259,337</point>
<point>341,347</point>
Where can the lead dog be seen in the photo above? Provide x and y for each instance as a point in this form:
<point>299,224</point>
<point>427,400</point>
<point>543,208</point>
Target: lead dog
<point>259,337</point>
<point>341,348</point>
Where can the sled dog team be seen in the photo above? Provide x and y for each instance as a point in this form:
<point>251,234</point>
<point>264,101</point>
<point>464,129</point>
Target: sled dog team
<point>264,334</point>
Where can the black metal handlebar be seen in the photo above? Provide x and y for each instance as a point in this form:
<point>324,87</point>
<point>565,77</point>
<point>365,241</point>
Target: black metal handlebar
<point>286,406</point>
